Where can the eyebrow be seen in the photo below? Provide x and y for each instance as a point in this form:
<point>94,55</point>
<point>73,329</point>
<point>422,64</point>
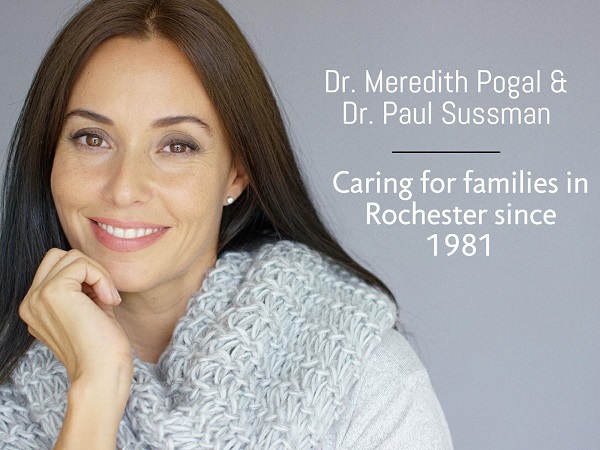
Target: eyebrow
<point>174,120</point>
<point>89,115</point>
<point>159,123</point>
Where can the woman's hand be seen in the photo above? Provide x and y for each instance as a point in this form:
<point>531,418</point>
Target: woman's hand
<point>69,307</point>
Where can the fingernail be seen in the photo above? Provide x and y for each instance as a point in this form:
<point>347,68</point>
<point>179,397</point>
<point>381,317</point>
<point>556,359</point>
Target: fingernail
<point>116,295</point>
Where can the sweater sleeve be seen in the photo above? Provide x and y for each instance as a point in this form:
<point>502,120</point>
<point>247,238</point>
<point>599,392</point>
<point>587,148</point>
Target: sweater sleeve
<point>393,405</point>
<point>17,431</point>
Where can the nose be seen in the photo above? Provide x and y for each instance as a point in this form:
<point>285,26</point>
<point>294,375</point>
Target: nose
<point>128,181</point>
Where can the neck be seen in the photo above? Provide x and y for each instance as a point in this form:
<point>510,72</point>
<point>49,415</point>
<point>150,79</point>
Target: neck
<point>149,318</point>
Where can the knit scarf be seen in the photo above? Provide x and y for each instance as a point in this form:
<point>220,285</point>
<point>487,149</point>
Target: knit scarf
<point>264,358</point>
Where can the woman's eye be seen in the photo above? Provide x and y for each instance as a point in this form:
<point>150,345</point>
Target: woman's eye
<point>88,139</point>
<point>177,147</point>
<point>180,147</point>
<point>93,141</point>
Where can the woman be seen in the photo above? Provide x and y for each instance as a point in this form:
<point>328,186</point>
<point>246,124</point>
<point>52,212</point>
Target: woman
<point>180,285</point>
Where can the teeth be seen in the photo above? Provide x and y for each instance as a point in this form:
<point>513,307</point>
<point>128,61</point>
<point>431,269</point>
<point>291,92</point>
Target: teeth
<point>127,233</point>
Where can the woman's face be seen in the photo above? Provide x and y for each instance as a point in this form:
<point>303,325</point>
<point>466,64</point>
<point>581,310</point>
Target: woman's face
<point>142,169</point>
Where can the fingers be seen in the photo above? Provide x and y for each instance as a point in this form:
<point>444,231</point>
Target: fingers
<point>75,270</point>
<point>50,259</point>
<point>81,270</point>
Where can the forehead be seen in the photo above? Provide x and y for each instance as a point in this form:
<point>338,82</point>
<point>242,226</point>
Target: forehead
<point>151,77</point>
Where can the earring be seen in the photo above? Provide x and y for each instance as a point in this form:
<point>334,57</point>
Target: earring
<point>230,200</point>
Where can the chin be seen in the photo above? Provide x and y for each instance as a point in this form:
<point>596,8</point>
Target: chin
<point>129,285</point>
<point>129,278</point>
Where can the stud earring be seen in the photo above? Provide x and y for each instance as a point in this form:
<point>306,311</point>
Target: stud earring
<point>230,200</point>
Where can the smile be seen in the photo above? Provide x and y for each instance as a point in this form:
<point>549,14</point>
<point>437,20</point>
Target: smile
<point>126,236</point>
<point>128,233</point>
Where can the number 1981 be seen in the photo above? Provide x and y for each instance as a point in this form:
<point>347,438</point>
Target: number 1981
<point>468,245</point>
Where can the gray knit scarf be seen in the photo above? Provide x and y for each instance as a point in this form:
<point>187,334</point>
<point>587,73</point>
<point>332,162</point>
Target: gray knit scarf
<point>264,358</point>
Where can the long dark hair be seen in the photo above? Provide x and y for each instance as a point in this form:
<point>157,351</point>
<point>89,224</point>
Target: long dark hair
<point>275,204</point>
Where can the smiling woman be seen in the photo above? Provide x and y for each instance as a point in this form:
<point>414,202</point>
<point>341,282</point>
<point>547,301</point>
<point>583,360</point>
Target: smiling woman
<point>150,159</point>
<point>175,285</point>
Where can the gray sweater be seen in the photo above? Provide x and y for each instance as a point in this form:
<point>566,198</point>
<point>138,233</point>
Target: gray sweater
<point>281,348</point>
<point>393,406</point>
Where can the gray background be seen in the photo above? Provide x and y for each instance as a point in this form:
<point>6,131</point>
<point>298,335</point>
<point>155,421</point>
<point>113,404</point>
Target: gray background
<point>511,340</point>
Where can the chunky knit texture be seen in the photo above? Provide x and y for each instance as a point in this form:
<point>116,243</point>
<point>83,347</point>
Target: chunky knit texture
<point>264,358</point>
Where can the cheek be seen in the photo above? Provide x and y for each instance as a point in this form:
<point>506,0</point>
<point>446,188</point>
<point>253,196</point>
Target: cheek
<point>68,195</point>
<point>60,187</point>
<point>200,201</point>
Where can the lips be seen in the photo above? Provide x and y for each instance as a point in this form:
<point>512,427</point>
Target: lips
<point>126,236</point>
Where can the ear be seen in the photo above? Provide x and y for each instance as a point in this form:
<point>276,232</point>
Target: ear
<point>238,180</point>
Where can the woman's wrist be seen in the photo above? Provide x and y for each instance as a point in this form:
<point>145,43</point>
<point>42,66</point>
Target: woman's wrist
<point>95,408</point>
